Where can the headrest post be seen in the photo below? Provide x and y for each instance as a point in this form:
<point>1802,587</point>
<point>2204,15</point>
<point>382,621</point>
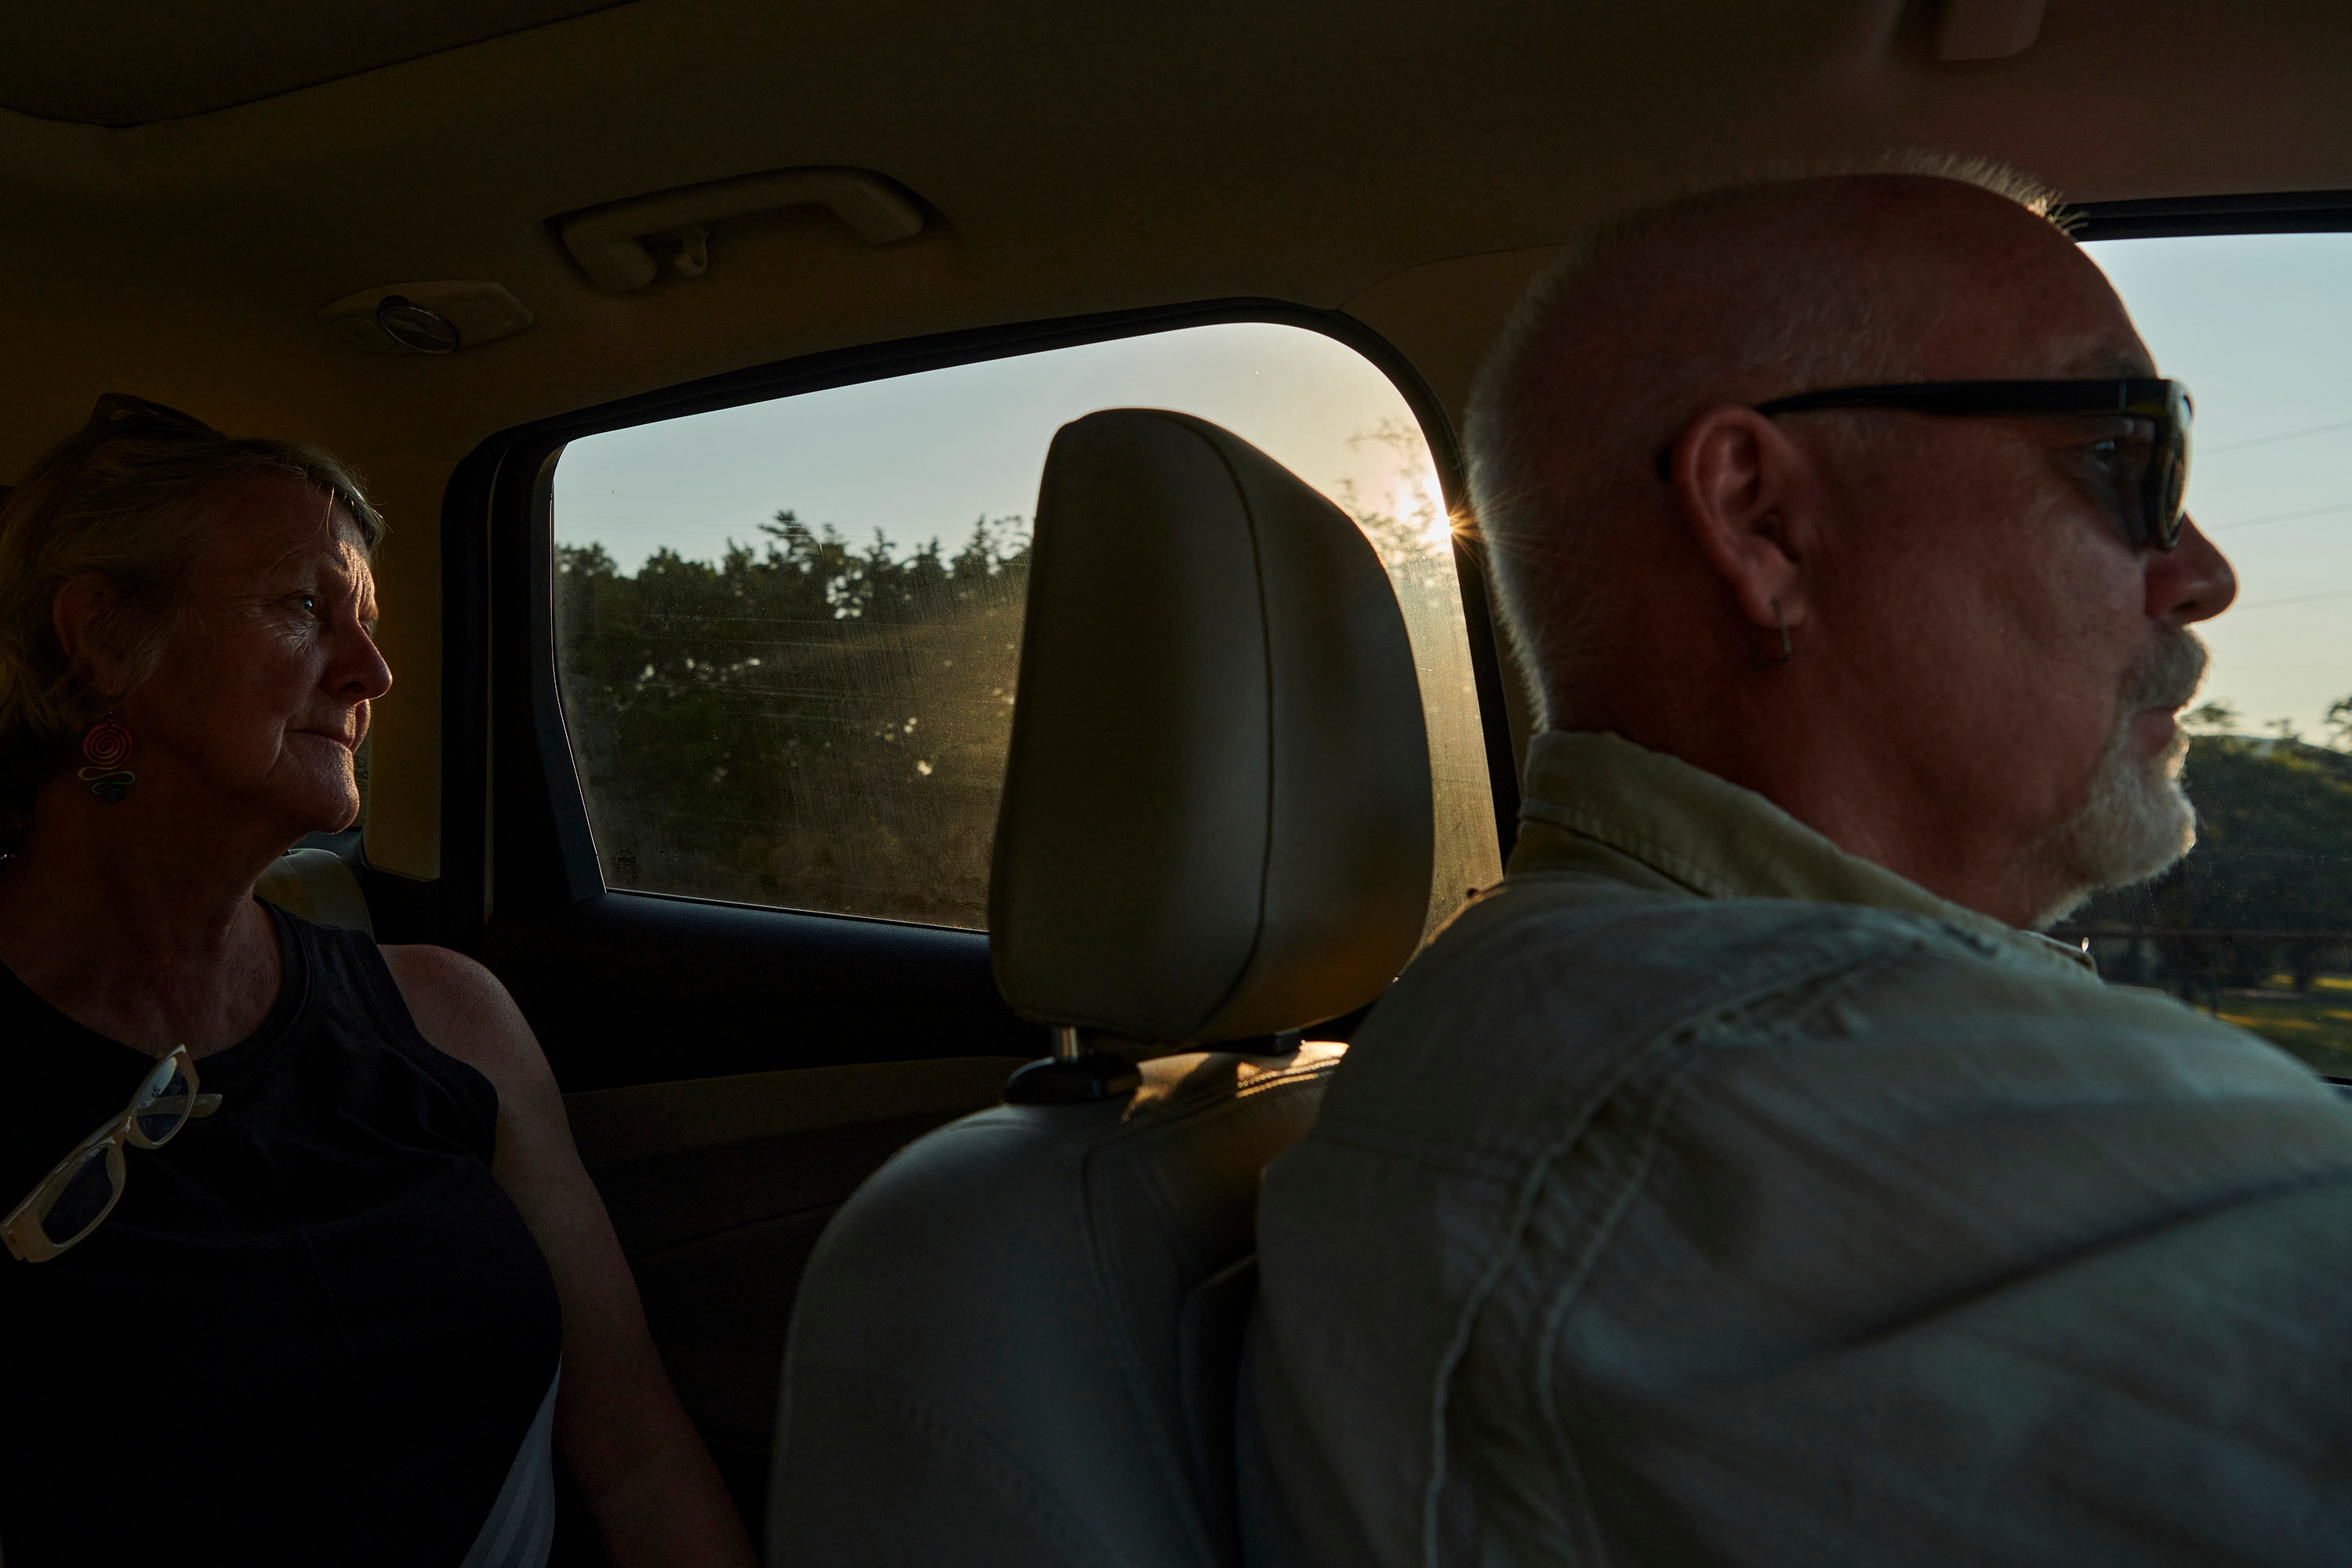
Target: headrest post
<point>1073,1075</point>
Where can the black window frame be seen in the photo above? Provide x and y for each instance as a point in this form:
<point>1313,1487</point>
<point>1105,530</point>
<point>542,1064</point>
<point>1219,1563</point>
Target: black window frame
<point>2180,217</point>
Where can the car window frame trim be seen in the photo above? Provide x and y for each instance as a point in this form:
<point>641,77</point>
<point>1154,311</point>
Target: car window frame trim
<point>2183,217</point>
<point>515,830</point>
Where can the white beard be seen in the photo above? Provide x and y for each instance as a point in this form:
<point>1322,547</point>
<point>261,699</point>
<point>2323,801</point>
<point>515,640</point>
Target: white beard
<point>2136,821</point>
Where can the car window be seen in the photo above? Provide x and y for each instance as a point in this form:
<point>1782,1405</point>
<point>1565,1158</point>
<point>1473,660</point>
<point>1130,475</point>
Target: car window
<point>787,632</point>
<point>2256,924</point>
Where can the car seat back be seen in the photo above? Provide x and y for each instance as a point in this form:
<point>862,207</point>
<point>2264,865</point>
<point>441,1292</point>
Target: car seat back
<point>1018,1344</point>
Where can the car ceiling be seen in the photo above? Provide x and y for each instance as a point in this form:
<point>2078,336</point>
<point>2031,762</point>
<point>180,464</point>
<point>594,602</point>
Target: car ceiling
<point>185,185</point>
<point>1075,157</point>
<point>135,63</point>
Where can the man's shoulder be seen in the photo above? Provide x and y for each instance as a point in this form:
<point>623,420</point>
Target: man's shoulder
<point>1603,944</point>
<point>1547,991</point>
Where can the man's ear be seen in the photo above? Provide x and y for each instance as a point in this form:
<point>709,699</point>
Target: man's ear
<point>74,615</point>
<point>1739,486</point>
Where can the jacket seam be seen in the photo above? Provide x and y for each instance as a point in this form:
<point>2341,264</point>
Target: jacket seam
<point>1538,1177</point>
<point>1695,1036</point>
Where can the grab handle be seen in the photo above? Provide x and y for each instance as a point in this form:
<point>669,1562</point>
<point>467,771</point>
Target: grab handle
<point>609,241</point>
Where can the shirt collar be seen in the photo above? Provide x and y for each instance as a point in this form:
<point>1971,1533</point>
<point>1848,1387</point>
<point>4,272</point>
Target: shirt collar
<point>1710,837</point>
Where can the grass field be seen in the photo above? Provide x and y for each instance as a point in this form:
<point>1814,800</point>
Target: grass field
<point>2315,1025</point>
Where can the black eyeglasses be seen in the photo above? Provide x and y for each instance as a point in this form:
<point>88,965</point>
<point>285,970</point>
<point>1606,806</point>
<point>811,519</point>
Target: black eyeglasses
<point>2150,462</point>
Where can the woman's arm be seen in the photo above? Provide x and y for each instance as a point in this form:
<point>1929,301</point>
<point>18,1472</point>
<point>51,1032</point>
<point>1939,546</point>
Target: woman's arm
<point>657,1497</point>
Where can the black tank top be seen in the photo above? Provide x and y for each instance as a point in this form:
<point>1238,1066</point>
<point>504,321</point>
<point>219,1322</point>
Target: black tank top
<point>314,1331</point>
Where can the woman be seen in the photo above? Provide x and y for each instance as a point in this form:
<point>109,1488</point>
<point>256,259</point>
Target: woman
<point>324,1322</point>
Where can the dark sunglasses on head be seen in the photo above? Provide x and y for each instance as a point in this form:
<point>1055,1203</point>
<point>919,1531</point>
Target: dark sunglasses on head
<point>2150,461</point>
<point>119,416</point>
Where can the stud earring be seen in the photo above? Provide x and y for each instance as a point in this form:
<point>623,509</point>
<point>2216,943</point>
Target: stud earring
<point>108,747</point>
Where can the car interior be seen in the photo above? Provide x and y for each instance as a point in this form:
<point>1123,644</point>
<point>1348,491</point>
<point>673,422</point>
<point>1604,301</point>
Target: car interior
<point>935,947</point>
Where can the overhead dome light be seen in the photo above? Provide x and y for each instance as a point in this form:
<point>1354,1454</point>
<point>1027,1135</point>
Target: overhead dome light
<point>412,326</point>
<point>437,317</point>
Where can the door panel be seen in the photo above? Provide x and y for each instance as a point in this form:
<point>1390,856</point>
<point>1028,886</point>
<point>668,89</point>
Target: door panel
<point>632,988</point>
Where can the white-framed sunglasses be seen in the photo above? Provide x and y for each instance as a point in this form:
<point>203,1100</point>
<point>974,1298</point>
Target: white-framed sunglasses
<point>82,1189</point>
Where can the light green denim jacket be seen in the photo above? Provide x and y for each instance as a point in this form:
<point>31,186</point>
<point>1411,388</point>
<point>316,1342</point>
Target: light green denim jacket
<point>1706,1193</point>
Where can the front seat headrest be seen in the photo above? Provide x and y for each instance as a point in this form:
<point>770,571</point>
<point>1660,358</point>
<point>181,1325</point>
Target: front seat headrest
<point>1216,821</point>
<point>317,886</point>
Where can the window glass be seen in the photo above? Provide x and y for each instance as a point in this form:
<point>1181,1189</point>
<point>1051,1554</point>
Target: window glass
<point>2256,923</point>
<point>787,632</point>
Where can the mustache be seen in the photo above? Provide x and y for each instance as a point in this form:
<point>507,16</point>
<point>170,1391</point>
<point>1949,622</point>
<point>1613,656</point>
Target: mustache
<point>2168,675</point>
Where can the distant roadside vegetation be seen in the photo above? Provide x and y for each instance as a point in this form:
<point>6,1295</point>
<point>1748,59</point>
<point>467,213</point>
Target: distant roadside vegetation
<point>808,722</point>
<point>814,723</point>
<point>821,725</point>
<point>2256,923</point>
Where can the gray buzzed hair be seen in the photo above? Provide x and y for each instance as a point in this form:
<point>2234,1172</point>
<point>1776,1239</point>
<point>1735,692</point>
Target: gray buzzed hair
<point>136,512</point>
<point>1552,460</point>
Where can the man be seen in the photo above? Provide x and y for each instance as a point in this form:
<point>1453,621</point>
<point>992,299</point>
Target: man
<point>1745,1180</point>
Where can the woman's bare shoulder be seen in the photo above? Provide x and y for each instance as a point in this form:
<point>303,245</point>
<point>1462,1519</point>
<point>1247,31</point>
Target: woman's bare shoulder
<point>463,1009</point>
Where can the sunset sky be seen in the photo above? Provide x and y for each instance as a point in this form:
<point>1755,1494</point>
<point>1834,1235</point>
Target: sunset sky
<point>922,456</point>
<point>2259,327</point>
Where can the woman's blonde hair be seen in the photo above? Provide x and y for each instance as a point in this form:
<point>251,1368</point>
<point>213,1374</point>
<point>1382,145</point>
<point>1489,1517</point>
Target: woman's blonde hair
<point>127,501</point>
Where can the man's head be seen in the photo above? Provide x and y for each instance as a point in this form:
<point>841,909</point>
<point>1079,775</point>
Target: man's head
<point>1981,665</point>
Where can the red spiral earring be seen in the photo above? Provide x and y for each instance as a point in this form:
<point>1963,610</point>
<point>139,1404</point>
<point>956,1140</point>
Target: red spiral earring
<point>108,747</point>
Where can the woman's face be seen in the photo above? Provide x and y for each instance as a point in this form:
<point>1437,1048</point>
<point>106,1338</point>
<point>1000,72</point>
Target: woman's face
<point>261,697</point>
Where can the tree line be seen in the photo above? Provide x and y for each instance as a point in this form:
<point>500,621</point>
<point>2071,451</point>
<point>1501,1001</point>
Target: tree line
<point>805,722</point>
<point>814,723</point>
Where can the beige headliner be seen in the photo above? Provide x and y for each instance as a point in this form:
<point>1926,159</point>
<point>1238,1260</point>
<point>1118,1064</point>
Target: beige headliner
<point>1407,162</point>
